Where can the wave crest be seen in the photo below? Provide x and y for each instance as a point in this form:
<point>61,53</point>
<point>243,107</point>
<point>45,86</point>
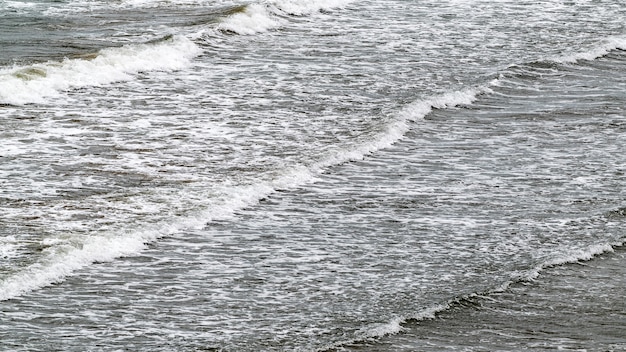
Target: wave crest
<point>38,82</point>
<point>262,17</point>
<point>598,51</point>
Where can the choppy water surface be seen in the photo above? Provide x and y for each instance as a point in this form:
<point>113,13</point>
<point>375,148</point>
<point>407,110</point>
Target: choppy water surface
<point>320,175</point>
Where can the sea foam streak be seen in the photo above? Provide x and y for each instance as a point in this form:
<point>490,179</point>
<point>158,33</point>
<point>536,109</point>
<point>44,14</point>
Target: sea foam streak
<point>83,251</point>
<point>39,82</point>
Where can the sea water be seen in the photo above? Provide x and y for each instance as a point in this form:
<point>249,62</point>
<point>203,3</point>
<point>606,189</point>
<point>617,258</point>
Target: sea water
<point>284,175</point>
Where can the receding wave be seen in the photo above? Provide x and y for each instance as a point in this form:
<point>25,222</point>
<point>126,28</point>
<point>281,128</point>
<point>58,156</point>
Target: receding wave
<point>39,82</point>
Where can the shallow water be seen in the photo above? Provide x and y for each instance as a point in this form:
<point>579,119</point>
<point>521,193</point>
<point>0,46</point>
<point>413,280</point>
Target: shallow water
<point>286,175</point>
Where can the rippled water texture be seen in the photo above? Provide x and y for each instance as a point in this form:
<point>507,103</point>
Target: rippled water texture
<point>312,175</point>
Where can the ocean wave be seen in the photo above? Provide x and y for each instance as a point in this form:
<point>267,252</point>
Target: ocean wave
<point>64,257</point>
<point>398,126</point>
<point>8,247</point>
<point>251,19</point>
<point>82,6</point>
<point>619,213</point>
<point>39,82</point>
<point>568,257</point>
<point>262,17</point>
<point>397,324</point>
<point>532,70</point>
<point>602,49</point>
<point>18,7</point>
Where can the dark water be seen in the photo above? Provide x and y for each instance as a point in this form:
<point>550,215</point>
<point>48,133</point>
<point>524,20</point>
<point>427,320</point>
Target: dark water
<point>307,176</point>
<point>572,307</point>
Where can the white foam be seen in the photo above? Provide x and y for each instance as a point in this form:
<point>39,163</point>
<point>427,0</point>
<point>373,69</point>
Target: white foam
<point>156,3</point>
<point>301,8</point>
<point>610,44</point>
<point>65,257</point>
<point>18,4</point>
<point>262,17</point>
<point>570,256</point>
<point>392,327</point>
<point>58,266</point>
<point>7,149</point>
<point>255,18</point>
<point>397,128</point>
<point>82,6</point>
<point>41,82</point>
<point>8,247</point>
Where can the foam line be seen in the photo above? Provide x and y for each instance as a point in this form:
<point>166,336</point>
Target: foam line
<point>598,51</point>
<point>263,17</point>
<point>253,19</point>
<point>397,128</point>
<point>572,256</point>
<point>83,251</point>
<point>302,8</point>
<point>39,82</point>
<point>395,325</point>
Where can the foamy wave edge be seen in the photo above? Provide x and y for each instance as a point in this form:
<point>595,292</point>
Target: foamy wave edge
<point>395,325</point>
<point>598,51</point>
<point>403,121</point>
<point>269,15</point>
<point>230,199</point>
<point>38,83</point>
<point>569,257</point>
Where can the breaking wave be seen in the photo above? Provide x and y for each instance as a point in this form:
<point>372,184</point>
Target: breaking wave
<point>262,17</point>
<point>396,325</point>
<point>602,49</point>
<point>37,83</point>
<point>66,257</point>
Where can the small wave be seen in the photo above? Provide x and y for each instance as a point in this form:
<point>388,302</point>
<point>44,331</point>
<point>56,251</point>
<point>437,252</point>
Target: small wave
<point>54,268</point>
<point>19,7</point>
<point>251,19</point>
<point>400,125</point>
<point>262,17</point>
<point>598,51</point>
<point>570,257</point>
<point>38,82</point>
<point>397,324</point>
<point>65,258</point>
<point>302,8</point>
<point>81,6</point>
<point>392,327</point>
<point>551,65</point>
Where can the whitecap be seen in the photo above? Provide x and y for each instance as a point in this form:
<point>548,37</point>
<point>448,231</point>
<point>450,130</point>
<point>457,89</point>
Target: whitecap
<point>38,83</point>
<point>252,19</point>
<point>262,17</point>
<point>595,52</point>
